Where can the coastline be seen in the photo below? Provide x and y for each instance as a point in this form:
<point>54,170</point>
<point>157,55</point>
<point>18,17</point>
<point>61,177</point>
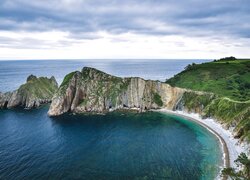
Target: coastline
<point>229,145</point>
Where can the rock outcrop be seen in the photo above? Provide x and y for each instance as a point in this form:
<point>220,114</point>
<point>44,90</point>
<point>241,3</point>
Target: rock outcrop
<point>33,93</point>
<point>233,115</point>
<point>92,90</point>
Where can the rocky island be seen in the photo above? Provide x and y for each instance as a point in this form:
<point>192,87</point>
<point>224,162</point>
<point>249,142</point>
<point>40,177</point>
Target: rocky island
<point>92,90</point>
<point>33,93</point>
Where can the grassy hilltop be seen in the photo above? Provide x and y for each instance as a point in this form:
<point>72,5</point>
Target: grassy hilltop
<point>229,80</point>
<point>227,77</point>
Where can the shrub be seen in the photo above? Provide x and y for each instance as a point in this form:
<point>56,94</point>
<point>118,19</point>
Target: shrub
<point>157,99</point>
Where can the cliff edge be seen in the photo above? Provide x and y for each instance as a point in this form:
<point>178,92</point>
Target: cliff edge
<point>92,90</point>
<point>33,93</point>
<point>228,78</point>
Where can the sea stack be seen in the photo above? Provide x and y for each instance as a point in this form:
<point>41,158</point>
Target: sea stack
<point>33,93</point>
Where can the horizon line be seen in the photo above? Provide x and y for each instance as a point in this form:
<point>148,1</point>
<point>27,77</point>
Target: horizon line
<point>58,59</point>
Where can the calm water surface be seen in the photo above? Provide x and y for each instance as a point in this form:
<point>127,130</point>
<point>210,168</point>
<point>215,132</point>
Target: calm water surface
<point>113,146</point>
<point>14,73</point>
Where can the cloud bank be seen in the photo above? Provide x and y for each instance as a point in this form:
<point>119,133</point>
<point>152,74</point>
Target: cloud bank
<point>124,29</point>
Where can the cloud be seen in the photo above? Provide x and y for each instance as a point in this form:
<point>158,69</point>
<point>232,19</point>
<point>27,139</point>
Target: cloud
<point>147,17</point>
<point>86,20</point>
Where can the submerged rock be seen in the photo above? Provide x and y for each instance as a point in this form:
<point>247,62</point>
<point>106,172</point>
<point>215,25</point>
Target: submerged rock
<point>33,93</point>
<point>92,90</point>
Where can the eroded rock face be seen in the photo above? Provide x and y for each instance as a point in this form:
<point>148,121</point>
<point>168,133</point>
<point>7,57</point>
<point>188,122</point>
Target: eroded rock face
<point>33,93</point>
<point>4,98</point>
<point>94,91</point>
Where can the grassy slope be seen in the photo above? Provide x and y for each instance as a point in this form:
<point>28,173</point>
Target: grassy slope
<point>228,112</point>
<point>224,78</point>
<point>230,82</point>
<point>102,85</point>
<point>41,88</point>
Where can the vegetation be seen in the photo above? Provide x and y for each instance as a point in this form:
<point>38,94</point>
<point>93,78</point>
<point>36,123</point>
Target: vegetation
<point>67,78</point>
<point>231,58</point>
<point>243,162</point>
<point>227,111</point>
<point>41,88</point>
<point>157,99</point>
<point>231,113</point>
<point>225,77</point>
<point>229,80</point>
<point>192,101</point>
<point>95,90</point>
<point>101,85</point>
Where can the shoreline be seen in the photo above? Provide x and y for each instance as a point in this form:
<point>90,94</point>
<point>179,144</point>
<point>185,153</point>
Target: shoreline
<point>229,145</point>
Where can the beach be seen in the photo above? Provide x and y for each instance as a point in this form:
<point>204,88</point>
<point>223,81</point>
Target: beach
<point>230,146</point>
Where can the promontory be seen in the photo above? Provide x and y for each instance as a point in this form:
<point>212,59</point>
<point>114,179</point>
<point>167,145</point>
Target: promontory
<point>200,90</point>
<point>33,93</point>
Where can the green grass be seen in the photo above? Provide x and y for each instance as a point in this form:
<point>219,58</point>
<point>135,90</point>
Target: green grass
<point>229,81</point>
<point>229,112</point>
<point>232,113</point>
<point>224,78</point>
<point>157,99</point>
<point>67,78</point>
<point>100,83</point>
<point>192,101</point>
<point>40,88</point>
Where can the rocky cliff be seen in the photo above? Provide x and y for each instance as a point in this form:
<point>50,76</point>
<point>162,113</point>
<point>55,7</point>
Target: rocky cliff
<point>33,93</point>
<point>92,90</point>
<point>233,115</point>
<point>228,79</point>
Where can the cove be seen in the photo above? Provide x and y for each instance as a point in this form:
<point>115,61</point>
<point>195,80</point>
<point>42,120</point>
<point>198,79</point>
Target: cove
<point>117,145</point>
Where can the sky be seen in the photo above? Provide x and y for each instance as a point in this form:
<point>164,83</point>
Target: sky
<point>124,29</point>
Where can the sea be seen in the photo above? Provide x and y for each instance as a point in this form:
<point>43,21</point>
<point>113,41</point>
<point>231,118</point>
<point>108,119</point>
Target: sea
<point>15,73</point>
<point>118,145</point>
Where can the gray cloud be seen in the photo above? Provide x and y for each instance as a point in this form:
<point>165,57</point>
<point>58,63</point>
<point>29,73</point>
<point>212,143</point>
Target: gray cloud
<point>33,43</point>
<point>156,17</point>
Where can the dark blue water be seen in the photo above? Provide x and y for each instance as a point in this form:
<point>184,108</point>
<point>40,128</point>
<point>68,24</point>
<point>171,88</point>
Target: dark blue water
<point>14,73</point>
<point>113,146</point>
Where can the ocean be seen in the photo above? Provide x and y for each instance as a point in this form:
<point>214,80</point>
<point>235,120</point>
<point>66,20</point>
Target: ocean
<point>15,73</point>
<point>117,145</point>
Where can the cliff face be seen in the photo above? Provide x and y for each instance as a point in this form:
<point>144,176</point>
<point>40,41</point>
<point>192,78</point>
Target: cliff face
<point>33,93</point>
<point>195,102</point>
<point>94,91</point>
<point>233,115</point>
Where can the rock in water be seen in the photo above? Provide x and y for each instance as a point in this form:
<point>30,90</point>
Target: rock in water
<point>33,93</point>
<point>92,90</point>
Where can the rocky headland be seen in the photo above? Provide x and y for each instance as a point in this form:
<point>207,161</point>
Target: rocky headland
<point>228,78</point>
<point>33,93</point>
<point>92,90</point>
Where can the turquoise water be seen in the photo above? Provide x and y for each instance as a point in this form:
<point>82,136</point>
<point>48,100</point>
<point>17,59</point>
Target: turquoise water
<point>114,146</point>
<point>210,163</point>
